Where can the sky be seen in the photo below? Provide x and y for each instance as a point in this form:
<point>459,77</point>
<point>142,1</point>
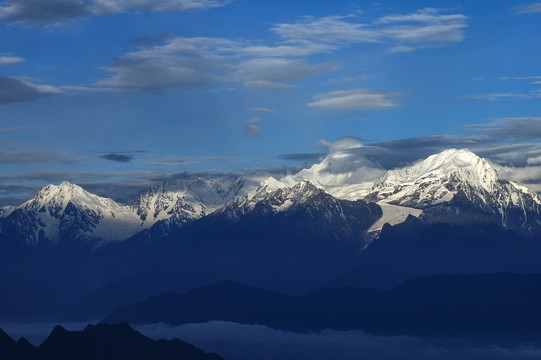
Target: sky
<point>118,94</point>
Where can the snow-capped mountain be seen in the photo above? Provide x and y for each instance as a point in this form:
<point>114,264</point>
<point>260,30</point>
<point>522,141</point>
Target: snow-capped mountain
<point>344,173</point>
<point>172,205</point>
<point>183,201</point>
<point>306,206</point>
<point>67,211</point>
<point>462,181</point>
<point>454,185</point>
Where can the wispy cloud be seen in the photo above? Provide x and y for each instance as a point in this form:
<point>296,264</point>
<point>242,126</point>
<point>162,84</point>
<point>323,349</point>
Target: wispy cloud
<point>299,48</point>
<point>253,120</point>
<point>42,11</point>
<point>165,61</point>
<point>174,161</point>
<point>12,129</point>
<point>55,11</point>
<point>181,62</point>
<point>35,156</point>
<point>120,6</point>
<point>356,99</point>
<point>10,60</point>
<point>276,73</point>
<point>252,130</point>
<point>494,96</point>
<point>528,8</point>
<point>330,29</point>
<point>425,27</point>
<point>263,110</point>
<point>536,78</point>
<point>13,90</point>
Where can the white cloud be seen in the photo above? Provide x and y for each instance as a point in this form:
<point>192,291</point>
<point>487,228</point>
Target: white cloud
<point>493,97</point>
<point>252,130</point>
<point>529,8</point>
<point>534,161</point>
<point>426,15</point>
<point>120,6</point>
<point>402,48</point>
<point>344,143</point>
<point>246,342</point>
<point>357,99</point>
<point>300,48</point>
<point>9,60</point>
<point>262,110</point>
<point>253,120</point>
<point>275,73</point>
<point>422,28</point>
<point>327,29</point>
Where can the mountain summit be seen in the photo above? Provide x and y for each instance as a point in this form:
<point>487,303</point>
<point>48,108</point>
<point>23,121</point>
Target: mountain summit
<point>462,182</point>
<point>67,211</point>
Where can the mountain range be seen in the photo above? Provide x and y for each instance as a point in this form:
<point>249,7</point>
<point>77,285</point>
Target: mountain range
<point>452,186</point>
<point>112,342</point>
<point>343,221</point>
<point>436,306</point>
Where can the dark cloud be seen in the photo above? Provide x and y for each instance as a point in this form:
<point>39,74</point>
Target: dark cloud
<point>15,194</point>
<point>303,158</point>
<point>36,156</point>
<point>181,63</point>
<point>276,73</point>
<point>119,6</point>
<point>47,11</point>
<point>117,157</point>
<point>40,11</point>
<point>13,90</point>
<point>152,39</point>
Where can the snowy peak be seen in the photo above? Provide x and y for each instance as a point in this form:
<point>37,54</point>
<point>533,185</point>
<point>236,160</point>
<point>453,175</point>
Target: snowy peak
<point>437,179</point>
<point>346,172</point>
<point>54,199</point>
<point>185,200</point>
<point>460,164</point>
<point>275,195</point>
<point>67,211</point>
<point>461,180</point>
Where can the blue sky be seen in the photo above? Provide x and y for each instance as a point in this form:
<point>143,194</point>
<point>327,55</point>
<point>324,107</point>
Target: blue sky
<point>134,91</point>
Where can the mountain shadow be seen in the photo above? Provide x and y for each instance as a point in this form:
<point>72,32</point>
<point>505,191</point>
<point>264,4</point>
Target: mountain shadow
<point>483,305</point>
<point>107,342</point>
